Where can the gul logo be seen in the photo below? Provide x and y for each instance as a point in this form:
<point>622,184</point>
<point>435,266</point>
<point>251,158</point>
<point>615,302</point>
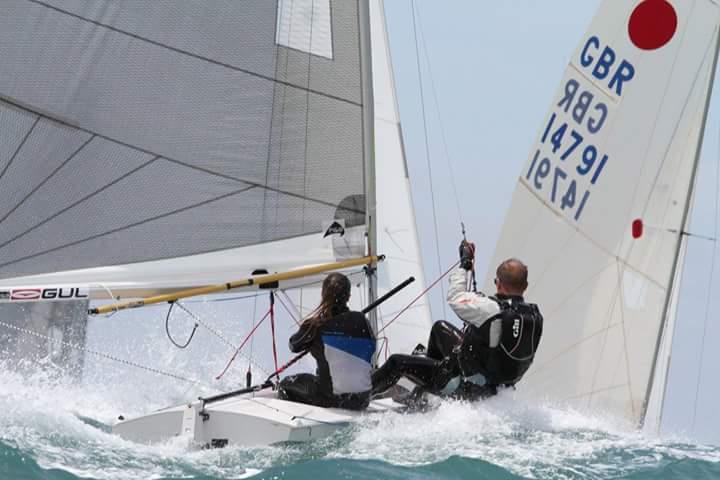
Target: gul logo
<point>516,328</point>
<point>335,229</point>
<point>25,294</point>
<point>50,293</point>
<point>62,293</point>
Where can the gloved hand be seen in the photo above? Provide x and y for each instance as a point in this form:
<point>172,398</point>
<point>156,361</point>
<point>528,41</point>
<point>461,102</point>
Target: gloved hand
<point>467,254</point>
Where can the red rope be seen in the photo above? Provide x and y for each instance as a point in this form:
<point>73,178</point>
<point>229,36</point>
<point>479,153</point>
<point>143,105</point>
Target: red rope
<point>272,328</point>
<point>290,362</point>
<point>419,296</point>
<point>232,359</point>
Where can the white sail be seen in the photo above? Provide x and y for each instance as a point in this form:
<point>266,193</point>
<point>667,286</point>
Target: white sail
<point>395,217</point>
<point>397,235</point>
<point>615,155</point>
<point>655,405</point>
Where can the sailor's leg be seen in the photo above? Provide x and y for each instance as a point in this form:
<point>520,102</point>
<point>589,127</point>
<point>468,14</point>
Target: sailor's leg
<point>471,392</point>
<point>303,388</point>
<point>444,336</point>
<point>421,370</point>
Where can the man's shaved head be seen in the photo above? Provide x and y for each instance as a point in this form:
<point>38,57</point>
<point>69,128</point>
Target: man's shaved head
<point>513,274</point>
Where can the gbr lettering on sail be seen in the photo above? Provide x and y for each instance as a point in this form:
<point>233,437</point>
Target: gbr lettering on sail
<point>568,159</point>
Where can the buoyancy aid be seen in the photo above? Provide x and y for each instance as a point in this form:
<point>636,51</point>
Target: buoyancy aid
<point>505,363</point>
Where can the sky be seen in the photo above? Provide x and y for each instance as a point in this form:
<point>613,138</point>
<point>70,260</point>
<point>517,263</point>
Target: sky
<point>495,67</point>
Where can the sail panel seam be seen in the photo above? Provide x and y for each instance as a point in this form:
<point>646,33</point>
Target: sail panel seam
<point>52,174</point>
<point>19,147</point>
<point>620,272</point>
<point>521,180</point>
<point>190,54</point>
<point>76,203</point>
<point>609,318</point>
<point>125,227</point>
<point>170,159</point>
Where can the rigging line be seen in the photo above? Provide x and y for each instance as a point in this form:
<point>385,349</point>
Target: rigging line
<point>695,235</point>
<point>709,290</point>
<point>272,332</point>
<point>227,342</point>
<point>118,229</point>
<point>181,346</point>
<point>217,300</point>
<point>252,339</point>
<point>237,351</point>
<point>297,311</point>
<point>440,120</point>
<point>101,354</point>
<point>191,54</point>
<point>186,300</point>
<point>19,147</point>
<point>52,174</point>
<point>173,160</point>
<point>420,295</point>
<point>427,150</point>
<point>287,309</point>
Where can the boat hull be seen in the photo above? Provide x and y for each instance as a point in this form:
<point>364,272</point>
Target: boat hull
<point>248,420</point>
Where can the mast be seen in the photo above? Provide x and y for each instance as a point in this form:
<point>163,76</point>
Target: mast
<point>368,120</point>
<point>681,234</point>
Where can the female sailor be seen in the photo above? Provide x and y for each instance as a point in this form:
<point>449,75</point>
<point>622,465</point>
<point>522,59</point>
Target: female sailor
<point>343,345</point>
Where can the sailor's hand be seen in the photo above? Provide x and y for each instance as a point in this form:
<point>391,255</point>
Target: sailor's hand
<point>467,254</point>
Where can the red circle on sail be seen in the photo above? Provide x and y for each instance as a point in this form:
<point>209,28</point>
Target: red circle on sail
<point>652,24</point>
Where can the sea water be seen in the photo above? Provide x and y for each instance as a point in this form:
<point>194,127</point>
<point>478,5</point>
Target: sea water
<point>54,426</point>
<point>50,429</point>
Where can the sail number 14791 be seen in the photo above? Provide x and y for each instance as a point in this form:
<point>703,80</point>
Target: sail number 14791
<point>576,157</point>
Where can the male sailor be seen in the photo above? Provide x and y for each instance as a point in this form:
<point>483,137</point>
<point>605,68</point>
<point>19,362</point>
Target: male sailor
<point>495,348</point>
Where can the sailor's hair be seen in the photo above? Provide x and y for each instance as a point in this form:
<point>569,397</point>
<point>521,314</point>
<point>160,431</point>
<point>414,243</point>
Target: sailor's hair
<point>335,293</point>
<point>513,274</point>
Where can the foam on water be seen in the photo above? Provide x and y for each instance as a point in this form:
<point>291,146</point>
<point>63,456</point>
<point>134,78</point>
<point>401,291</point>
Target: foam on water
<point>47,420</point>
<point>57,424</point>
<point>529,440</point>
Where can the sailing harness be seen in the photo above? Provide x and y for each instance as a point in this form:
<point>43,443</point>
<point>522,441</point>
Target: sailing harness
<point>521,327</point>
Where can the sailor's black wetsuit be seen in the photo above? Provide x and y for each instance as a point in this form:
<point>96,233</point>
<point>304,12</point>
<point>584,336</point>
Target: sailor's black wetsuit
<point>495,348</point>
<point>343,347</point>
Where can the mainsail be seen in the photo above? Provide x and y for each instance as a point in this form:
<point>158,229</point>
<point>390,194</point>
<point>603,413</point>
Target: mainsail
<point>599,211</point>
<point>157,143</point>
<point>150,146</point>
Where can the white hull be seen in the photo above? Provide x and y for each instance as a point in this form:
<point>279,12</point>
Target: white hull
<point>252,419</point>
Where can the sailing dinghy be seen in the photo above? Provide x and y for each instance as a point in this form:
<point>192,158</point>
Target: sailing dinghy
<point>151,147</point>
